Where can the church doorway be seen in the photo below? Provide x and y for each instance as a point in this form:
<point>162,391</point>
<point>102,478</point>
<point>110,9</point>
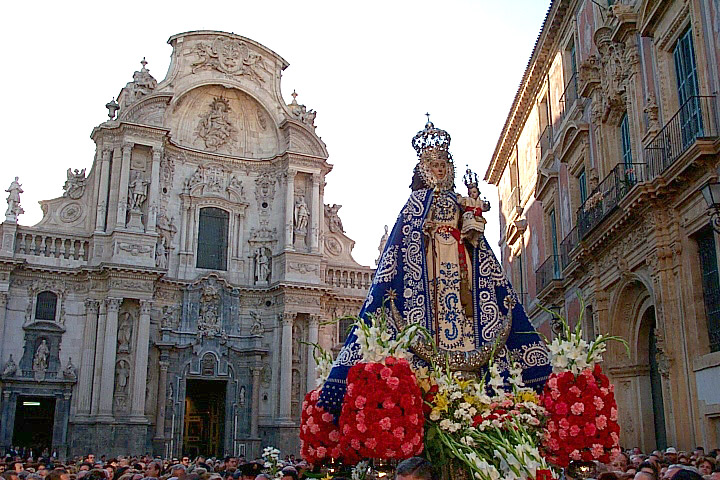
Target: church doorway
<point>656,392</point>
<point>204,431</point>
<point>34,419</point>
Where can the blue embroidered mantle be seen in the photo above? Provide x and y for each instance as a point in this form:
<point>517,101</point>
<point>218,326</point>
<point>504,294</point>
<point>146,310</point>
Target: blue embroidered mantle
<point>402,278</point>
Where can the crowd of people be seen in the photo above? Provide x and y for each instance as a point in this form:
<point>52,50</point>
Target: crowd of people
<point>669,464</point>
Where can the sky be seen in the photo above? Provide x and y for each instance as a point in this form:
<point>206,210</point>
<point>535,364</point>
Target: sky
<point>370,69</point>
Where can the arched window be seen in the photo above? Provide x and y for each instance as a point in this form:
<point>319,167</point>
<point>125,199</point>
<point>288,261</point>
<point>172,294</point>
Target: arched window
<point>45,306</point>
<point>212,239</point>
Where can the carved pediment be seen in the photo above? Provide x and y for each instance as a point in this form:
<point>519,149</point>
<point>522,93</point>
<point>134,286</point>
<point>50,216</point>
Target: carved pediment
<point>215,180</point>
<point>301,141</point>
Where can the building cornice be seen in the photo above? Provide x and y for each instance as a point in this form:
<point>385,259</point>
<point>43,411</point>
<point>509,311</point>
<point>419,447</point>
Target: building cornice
<point>526,91</point>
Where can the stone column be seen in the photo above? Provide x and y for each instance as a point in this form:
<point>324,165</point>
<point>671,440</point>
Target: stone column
<point>313,324</point>
<point>107,379</point>
<point>103,190</point>
<point>315,226</point>
<point>157,153</point>
<point>141,362</point>
<point>255,402</point>
<point>7,410</point>
<point>290,209</point>
<point>123,189</point>
<point>3,305</point>
<point>286,366</point>
<point>161,399</point>
<point>85,375</point>
<point>98,360</point>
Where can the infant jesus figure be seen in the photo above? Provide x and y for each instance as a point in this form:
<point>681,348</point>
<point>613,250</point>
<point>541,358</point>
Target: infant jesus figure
<point>473,223</point>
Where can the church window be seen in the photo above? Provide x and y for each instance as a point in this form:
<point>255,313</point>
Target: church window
<point>711,285</point>
<point>45,306</point>
<point>213,239</point>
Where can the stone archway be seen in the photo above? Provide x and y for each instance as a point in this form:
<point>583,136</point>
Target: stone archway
<point>637,377</point>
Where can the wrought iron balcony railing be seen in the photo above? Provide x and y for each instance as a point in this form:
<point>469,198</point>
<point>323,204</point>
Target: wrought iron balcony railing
<point>603,199</point>
<point>567,245</point>
<point>569,94</point>
<point>547,272</point>
<point>696,119</point>
<point>544,142</point>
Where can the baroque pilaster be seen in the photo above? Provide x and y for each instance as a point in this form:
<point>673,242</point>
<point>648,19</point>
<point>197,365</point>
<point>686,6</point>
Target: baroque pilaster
<point>141,362</point>
<point>316,212</point>
<point>85,375</point>
<point>157,154</point>
<point>313,327</point>
<point>161,399</point>
<point>107,379</point>
<point>98,358</point>
<point>3,308</point>
<point>124,182</point>
<point>290,208</point>
<point>255,405</point>
<point>103,190</point>
<point>287,319</point>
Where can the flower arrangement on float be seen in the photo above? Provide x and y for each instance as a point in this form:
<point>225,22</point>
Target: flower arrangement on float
<point>475,426</point>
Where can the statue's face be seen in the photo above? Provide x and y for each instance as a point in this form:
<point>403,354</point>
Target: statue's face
<point>439,168</point>
<point>473,192</point>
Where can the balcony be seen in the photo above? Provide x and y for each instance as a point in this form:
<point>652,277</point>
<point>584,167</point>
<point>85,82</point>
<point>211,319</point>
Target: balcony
<point>603,199</point>
<point>569,95</point>
<point>51,246</point>
<point>567,246</point>
<point>695,120</point>
<point>544,144</point>
<point>547,272</point>
<point>349,278</point>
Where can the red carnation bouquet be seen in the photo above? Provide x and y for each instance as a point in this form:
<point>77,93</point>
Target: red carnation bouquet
<point>582,422</point>
<point>582,412</point>
<point>382,415</point>
<point>319,436</point>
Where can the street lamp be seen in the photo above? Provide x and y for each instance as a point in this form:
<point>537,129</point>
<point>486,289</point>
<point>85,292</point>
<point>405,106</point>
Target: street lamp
<point>711,193</point>
<point>555,323</point>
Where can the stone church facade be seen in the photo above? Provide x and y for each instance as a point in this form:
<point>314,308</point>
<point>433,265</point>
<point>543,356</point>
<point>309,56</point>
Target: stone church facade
<point>164,303</point>
<point>599,167</point>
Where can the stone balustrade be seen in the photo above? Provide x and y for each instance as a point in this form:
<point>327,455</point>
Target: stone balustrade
<point>343,277</point>
<point>41,244</point>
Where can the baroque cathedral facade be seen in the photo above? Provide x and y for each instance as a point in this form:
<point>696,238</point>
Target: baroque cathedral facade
<point>166,302</point>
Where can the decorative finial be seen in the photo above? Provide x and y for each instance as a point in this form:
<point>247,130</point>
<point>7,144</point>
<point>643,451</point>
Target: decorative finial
<point>427,115</point>
<point>143,62</point>
<point>112,107</point>
<point>294,95</point>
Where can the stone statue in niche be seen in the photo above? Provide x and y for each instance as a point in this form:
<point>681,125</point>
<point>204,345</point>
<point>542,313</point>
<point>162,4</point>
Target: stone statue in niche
<point>214,127</point>
<point>124,334</point>
<point>13,200</point>
<point>262,266</point>
<point>122,375</point>
<point>161,253</point>
<point>10,368</point>
<point>334,222</point>
<point>70,372</point>
<point>301,215</point>
<point>138,191</point>
<point>257,327</point>
<point>40,360</point>
<point>241,397</point>
<point>75,184</point>
<point>208,364</point>
<point>169,316</point>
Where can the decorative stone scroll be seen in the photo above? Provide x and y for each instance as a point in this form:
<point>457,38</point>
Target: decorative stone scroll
<point>228,56</point>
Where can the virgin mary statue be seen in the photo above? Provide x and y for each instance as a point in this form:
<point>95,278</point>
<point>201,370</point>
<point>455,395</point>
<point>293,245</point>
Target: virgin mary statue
<point>430,274</point>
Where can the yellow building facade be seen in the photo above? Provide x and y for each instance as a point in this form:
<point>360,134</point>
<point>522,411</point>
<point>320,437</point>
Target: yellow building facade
<point>599,168</point>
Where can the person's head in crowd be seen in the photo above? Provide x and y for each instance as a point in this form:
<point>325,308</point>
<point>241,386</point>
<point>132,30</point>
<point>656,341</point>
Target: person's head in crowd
<point>671,455</point>
<point>9,475</point>
<point>644,476</point>
<point>687,473</point>
<point>649,468</point>
<point>289,474</point>
<point>699,452</point>
<point>231,463</point>
<point>178,471</point>
<point>249,471</point>
<point>185,461</point>
<point>96,474</point>
<point>263,476</point>
<point>715,475</point>
<point>192,476</point>
<point>18,467</point>
<point>706,465</point>
<point>608,476</point>
<point>34,476</point>
<point>415,468</point>
<point>90,458</point>
<point>654,459</point>
<point>619,462</point>
<point>153,469</point>
<point>683,459</point>
<point>57,474</point>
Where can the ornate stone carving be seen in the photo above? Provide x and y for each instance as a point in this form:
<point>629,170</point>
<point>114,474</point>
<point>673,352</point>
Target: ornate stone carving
<point>214,127</point>
<point>161,253</point>
<point>167,171</point>
<point>124,333</point>
<point>265,191</point>
<point>241,397</point>
<point>10,368</point>
<point>301,113</point>
<point>334,222</point>
<point>169,317</point>
<point>208,364</point>
<point>122,375</point>
<point>40,360</point>
<point>37,286</point>
<point>303,268</point>
<point>651,109</point>
<point>71,212</point>
<point>589,74</point>
<point>134,249</point>
<point>75,184</point>
<point>209,315</point>
<point>332,246</point>
<point>13,200</point>
<point>143,84</point>
<point>257,327</point>
<point>228,56</point>
<point>302,214</point>
<point>70,372</point>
